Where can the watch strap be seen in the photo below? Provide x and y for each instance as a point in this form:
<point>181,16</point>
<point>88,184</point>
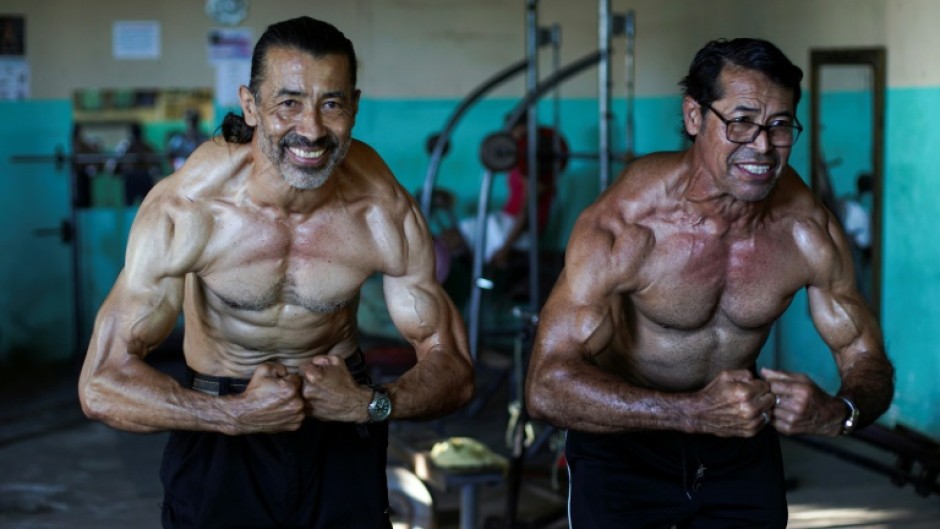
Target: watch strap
<point>851,421</point>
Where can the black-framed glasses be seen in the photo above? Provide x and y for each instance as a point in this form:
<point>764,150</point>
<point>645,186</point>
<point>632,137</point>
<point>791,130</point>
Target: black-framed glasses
<point>740,131</point>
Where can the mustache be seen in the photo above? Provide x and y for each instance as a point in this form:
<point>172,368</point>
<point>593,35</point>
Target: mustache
<point>295,140</point>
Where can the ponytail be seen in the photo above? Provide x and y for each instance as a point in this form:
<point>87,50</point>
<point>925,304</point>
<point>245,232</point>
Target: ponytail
<point>235,130</point>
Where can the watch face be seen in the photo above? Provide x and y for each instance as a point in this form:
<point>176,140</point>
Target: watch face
<point>380,407</point>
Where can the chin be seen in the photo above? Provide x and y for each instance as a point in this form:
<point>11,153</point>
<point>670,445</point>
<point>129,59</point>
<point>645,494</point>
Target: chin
<point>303,180</point>
<point>754,193</point>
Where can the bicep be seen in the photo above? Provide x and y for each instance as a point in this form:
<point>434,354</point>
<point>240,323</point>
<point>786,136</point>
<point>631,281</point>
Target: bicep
<point>419,307</point>
<point>839,312</point>
<point>146,299</point>
<point>600,268</point>
<point>574,323</point>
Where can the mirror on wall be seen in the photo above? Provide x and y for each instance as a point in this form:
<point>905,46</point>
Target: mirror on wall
<point>847,152</point>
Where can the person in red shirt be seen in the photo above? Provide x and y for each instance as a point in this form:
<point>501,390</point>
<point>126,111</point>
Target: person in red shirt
<point>507,229</point>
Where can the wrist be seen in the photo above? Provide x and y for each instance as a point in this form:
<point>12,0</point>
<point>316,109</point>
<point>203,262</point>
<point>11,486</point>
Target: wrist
<point>379,407</point>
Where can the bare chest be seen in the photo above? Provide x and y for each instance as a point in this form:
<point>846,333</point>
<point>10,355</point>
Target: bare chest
<point>256,263</point>
<point>693,282</point>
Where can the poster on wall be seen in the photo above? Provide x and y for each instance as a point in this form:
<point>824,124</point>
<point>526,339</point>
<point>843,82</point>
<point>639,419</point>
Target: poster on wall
<point>14,78</point>
<point>136,39</point>
<point>230,43</point>
<point>12,36</point>
<point>230,53</point>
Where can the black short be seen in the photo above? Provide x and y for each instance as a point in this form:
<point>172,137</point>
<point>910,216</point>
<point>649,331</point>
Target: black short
<point>658,480</point>
<point>324,475</point>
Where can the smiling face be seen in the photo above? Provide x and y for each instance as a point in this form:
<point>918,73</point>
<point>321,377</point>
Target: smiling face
<point>748,171</point>
<point>303,115</point>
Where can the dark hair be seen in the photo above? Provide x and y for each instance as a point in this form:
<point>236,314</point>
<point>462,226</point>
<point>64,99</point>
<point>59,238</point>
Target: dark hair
<point>701,84</point>
<point>307,34</point>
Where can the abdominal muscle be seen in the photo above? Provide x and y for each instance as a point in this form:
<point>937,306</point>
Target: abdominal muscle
<point>223,341</point>
<point>675,360</point>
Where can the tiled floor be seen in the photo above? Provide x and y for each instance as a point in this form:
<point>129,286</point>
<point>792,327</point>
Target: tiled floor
<point>57,470</point>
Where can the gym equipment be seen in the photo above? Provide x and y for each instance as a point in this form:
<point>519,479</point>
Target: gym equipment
<point>442,139</point>
<point>68,230</point>
<point>432,142</point>
<point>410,502</point>
<point>526,105</point>
<point>918,457</point>
<point>499,152</point>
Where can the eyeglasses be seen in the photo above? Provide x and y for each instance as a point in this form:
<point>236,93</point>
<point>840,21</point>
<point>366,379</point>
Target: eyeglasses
<point>739,130</point>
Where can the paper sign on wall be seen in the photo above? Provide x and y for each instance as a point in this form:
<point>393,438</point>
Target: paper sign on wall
<point>136,39</point>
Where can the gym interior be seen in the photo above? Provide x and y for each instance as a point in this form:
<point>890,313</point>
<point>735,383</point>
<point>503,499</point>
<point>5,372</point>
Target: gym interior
<point>440,79</point>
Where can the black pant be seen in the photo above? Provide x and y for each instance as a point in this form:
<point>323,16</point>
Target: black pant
<point>324,475</point>
<point>657,480</point>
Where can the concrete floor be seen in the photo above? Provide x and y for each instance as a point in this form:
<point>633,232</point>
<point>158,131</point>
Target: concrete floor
<point>58,470</point>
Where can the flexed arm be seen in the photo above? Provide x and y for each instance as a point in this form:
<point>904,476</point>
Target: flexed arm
<point>442,379</point>
<point>849,328</point>
<point>119,388</point>
<point>565,385</point>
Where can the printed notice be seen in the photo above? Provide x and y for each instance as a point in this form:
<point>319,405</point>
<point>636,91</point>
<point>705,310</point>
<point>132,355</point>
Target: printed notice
<point>14,79</point>
<point>136,39</point>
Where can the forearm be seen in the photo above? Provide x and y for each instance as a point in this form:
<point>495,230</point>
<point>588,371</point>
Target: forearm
<point>583,397</point>
<point>438,384</point>
<point>869,383</point>
<point>138,398</point>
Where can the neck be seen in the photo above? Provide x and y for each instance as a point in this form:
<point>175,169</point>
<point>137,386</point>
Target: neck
<point>268,189</point>
<point>704,197</point>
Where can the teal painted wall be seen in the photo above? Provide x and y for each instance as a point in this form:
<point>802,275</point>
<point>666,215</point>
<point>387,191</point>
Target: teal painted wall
<point>911,312</point>
<point>35,314</point>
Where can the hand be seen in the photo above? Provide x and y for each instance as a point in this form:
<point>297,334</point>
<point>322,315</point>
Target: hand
<point>331,394</point>
<point>271,403</point>
<point>735,404</point>
<point>802,407</point>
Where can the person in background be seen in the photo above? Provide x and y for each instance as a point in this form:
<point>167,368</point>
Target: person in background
<point>138,164</point>
<point>855,213</point>
<point>182,144</point>
<point>87,163</point>
<point>507,230</point>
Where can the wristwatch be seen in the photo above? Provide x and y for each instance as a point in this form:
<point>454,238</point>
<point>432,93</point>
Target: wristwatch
<point>381,406</point>
<point>852,420</point>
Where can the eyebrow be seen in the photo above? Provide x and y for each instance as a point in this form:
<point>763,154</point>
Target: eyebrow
<point>288,92</point>
<point>743,108</point>
<point>300,93</point>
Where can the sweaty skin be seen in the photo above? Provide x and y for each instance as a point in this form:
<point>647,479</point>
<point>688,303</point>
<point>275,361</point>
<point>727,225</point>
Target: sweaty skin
<point>674,277</point>
<point>264,247</point>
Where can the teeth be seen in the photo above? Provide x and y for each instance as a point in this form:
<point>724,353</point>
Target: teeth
<point>756,169</point>
<point>307,154</point>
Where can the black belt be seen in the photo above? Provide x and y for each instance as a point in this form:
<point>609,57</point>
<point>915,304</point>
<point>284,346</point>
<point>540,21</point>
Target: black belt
<point>219,386</point>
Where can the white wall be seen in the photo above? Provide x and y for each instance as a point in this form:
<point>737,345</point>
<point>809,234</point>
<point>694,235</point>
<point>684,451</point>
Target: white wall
<point>417,49</point>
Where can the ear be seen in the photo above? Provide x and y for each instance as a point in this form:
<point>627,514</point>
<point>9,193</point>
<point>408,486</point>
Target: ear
<point>249,106</point>
<point>355,104</point>
<point>691,116</point>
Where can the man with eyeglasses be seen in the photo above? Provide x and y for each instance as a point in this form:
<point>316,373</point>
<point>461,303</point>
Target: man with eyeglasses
<point>647,345</point>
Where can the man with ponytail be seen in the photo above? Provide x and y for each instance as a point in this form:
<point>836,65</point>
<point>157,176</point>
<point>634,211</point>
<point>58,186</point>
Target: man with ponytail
<point>262,240</point>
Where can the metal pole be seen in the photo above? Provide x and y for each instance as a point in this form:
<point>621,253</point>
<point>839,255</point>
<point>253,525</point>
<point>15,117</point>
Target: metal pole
<point>532,81</point>
<point>630,73</point>
<point>479,283</point>
<point>438,153</point>
<point>603,92</point>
